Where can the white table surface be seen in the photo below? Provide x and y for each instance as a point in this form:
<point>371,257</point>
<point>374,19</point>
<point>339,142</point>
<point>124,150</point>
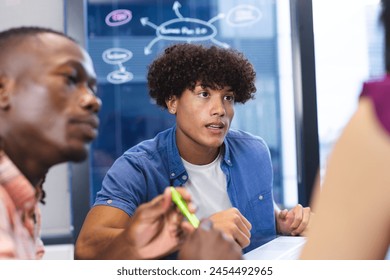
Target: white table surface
<point>280,248</point>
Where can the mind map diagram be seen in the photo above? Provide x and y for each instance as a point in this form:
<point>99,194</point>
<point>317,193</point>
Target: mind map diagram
<point>184,29</point>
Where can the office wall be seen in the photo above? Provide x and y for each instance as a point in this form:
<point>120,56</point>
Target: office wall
<point>46,13</point>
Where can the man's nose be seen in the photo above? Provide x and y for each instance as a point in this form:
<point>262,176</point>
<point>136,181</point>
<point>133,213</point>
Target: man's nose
<point>90,102</point>
<point>218,108</point>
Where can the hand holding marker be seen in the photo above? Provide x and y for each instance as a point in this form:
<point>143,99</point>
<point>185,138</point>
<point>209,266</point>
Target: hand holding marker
<point>182,205</point>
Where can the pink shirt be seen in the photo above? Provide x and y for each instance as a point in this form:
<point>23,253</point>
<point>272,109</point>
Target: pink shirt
<point>19,214</point>
<point>378,91</point>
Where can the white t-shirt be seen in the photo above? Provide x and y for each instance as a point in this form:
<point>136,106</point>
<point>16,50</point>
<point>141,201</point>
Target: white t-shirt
<point>208,188</point>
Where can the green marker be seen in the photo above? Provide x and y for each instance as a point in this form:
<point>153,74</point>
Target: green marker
<point>182,205</point>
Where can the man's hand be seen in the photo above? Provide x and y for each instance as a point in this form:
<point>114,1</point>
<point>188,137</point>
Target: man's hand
<point>207,243</point>
<point>294,221</point>
<point>155,229</point>
<point>233,224</point>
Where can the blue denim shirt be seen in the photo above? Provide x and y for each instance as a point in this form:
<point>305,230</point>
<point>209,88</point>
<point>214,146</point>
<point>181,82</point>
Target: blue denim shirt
<point>145,170</point>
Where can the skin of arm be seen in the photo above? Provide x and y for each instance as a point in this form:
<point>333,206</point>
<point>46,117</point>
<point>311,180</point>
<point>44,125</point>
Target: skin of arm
<point>152,232</point>
<point>353,210</point>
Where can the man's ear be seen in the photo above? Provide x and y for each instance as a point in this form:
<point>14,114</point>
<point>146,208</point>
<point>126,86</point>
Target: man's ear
<point>5,87</point>
<point>172,104</point>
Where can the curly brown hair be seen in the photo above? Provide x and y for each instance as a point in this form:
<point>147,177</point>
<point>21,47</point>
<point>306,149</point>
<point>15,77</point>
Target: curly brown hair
<point>181,66</point>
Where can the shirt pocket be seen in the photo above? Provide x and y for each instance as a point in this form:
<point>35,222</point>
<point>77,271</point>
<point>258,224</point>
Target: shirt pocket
<point>262,212</point>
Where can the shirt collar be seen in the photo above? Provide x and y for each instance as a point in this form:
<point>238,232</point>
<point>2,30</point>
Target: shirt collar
<point>16,184</point>
<point>176,167</point>
<point>226,151</point>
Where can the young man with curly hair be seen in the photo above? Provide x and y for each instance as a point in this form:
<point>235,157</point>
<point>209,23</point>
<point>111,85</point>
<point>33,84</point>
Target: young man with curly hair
<point>228,172</point>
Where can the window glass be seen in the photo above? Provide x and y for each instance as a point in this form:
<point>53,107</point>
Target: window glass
<point>348,50</point>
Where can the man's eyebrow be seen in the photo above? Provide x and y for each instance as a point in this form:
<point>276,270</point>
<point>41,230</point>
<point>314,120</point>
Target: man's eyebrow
<point>71,62</point>
<point>79,67</point>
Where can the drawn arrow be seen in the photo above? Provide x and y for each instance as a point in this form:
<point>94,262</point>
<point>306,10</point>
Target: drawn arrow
<point>176,6</point>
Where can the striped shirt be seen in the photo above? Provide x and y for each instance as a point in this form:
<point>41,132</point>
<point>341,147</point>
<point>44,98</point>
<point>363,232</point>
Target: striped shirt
<point>19,214</point>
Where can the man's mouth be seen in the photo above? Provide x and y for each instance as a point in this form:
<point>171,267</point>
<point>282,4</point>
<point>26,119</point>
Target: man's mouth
<point>93,122</point>
<point>219,125</point>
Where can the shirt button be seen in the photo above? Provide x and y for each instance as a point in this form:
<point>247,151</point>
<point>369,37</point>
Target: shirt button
<point>173,174</point>
<point>184,177</point>
<point>109,201</point>
<point>261,197</point>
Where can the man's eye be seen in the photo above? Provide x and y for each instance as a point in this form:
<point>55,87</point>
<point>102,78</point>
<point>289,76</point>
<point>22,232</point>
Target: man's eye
<point>71,80</point>
<point>204,94</point>
<point>93,88</point>
<point>229,98</point>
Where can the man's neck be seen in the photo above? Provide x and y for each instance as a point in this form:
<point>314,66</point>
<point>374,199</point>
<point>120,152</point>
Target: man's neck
<point>30,168</point>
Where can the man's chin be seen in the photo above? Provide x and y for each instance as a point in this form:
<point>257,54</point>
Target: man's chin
<point>77,155</point>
